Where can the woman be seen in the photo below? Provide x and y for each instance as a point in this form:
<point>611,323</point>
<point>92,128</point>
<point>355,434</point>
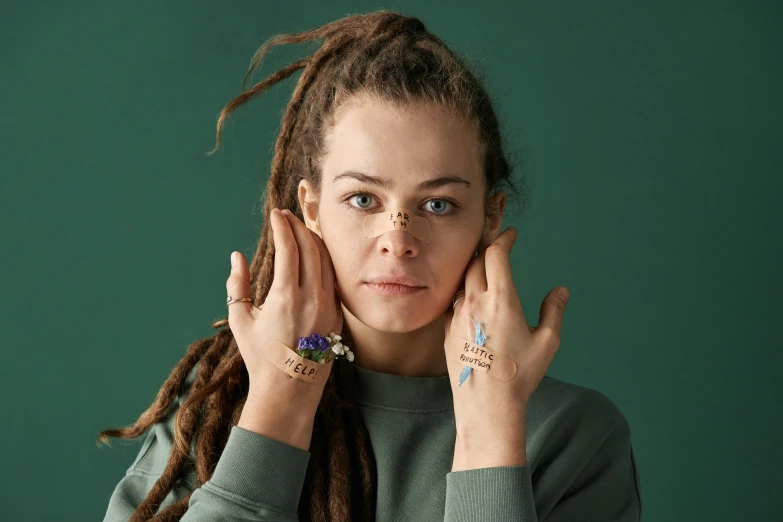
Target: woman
<point>387,166</point>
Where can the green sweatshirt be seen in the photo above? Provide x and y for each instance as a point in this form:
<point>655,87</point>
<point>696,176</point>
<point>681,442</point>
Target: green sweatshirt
<point>581,465</point>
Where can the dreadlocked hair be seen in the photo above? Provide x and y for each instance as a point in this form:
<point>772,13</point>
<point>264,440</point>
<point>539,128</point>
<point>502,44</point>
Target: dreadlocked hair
<point>384,54</point>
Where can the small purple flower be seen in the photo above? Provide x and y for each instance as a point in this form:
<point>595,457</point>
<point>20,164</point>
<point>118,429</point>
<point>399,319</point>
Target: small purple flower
<point>321,342</point>
<point>314,342</point>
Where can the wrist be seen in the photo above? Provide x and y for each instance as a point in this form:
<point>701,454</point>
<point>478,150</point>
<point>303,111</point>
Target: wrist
<point>283,422</point>
<point>477,448</point>
<point>489,456</point>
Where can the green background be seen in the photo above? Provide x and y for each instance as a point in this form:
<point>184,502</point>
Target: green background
<point>650,135</point>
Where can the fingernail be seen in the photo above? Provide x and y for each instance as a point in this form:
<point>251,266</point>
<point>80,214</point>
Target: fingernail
<point>233,259</point>
<point>562,293</point>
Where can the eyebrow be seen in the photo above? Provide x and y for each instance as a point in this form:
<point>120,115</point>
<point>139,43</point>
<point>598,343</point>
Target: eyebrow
<point>388,183</point>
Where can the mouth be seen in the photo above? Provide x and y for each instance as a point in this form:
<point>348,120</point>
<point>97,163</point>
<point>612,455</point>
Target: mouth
<point>394,289</point>
<point>393,284</point>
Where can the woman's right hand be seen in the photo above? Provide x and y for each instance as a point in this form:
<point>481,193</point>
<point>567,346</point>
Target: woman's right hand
<point>302,300</point>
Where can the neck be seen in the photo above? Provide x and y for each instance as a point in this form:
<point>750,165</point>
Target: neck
<point>418,353</point>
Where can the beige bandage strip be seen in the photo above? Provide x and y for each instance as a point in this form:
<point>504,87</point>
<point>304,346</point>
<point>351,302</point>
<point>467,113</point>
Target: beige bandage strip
<point>397,219</point>
<point>481,358</point>
<point>295,365</point>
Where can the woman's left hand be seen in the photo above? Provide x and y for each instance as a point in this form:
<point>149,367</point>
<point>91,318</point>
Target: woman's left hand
<point>486,408</point>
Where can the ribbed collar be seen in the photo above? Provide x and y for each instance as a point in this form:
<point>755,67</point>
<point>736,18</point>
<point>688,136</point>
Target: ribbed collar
<point>403,392</point>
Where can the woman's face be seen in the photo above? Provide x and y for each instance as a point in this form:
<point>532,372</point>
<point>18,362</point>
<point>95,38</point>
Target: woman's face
<point>403,147</point>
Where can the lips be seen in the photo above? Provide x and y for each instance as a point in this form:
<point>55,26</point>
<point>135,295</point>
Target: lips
<point>396,280</point>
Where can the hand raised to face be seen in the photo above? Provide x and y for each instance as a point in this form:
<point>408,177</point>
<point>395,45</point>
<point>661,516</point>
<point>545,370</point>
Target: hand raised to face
<point>520,353</point>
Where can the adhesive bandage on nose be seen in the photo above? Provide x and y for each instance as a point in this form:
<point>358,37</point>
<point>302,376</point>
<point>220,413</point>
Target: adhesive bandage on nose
<point>398,219</point>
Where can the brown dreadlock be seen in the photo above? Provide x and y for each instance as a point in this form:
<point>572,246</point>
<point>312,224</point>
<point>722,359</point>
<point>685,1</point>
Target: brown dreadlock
<point>384,54</point>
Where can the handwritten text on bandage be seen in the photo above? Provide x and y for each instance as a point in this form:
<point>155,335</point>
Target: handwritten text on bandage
<point>472,354</point>
<point>302,369</point>
<point>400,220</point>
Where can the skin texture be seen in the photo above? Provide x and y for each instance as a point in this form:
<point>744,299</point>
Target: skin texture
<point>490,413</point>
<point>405,334</point>
<point>400,334</point>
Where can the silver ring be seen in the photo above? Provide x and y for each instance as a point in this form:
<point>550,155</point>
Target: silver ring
<point>236,300</point>
<point>455,299</point>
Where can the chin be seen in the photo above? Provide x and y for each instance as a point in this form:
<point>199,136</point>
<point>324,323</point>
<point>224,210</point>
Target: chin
<point>393,313</point>
<point>393,324</point>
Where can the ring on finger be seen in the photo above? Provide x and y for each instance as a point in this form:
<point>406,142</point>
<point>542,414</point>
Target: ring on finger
<point>456,298</point>
<point>229,300</point>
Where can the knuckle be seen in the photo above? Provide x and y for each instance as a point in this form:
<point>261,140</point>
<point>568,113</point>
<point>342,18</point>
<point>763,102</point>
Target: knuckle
<point>287,307</point>
<point>280,304</point>
<point>286,295</point>
<point>319,302</point>
<point>495,304</point>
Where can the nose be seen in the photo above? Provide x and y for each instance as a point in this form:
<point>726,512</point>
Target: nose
<point>398,244</point>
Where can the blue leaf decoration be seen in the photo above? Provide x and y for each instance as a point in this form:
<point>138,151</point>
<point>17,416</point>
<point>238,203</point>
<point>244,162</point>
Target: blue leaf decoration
<point>480,339</point>
<point>464,375</point>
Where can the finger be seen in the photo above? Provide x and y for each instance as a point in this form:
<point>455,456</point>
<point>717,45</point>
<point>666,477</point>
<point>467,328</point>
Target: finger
<point>338,304</point>
<point>327,269</point>
<point>551,317</point>
<point>498,261</point>
<point>475,276</point>
<point>309,257</point>
<point>328,279</point>
<point>464,325</point>
<point>286,252</point>
<point>455,308</point>
<point>238,285</point>
<point>449,316</point>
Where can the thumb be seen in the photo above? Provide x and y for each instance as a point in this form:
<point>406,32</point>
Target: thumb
<point>552,311</point>
<point>238,286</point>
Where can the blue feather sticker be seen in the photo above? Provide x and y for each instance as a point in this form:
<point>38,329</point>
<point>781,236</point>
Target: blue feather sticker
<point>464,375</point>
<point>480,338</point>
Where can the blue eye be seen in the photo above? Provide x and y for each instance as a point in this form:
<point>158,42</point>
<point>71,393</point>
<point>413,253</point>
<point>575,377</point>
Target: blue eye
<point>360,194</point>
<point>438,213</point>
<point>442,203</point>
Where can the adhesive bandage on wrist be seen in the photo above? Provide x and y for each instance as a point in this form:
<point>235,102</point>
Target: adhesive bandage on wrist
<point>295,365</point>
<point>403,219</point>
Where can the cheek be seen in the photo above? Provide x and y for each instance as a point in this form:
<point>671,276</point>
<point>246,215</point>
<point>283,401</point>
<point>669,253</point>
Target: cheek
<point>447,257</point>
<point>450,262</point>
<point>344,250</point>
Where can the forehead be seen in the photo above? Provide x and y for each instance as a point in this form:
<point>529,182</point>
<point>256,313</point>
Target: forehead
<point>401,142</point>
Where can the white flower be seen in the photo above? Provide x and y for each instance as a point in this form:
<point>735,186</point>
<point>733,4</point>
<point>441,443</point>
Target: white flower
<point>349,356</point>
<point>338,349</point>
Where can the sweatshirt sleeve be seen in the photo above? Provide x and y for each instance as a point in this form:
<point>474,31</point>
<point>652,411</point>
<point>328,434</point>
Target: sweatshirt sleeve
<point>256,479</point>
<point>593,478</point>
